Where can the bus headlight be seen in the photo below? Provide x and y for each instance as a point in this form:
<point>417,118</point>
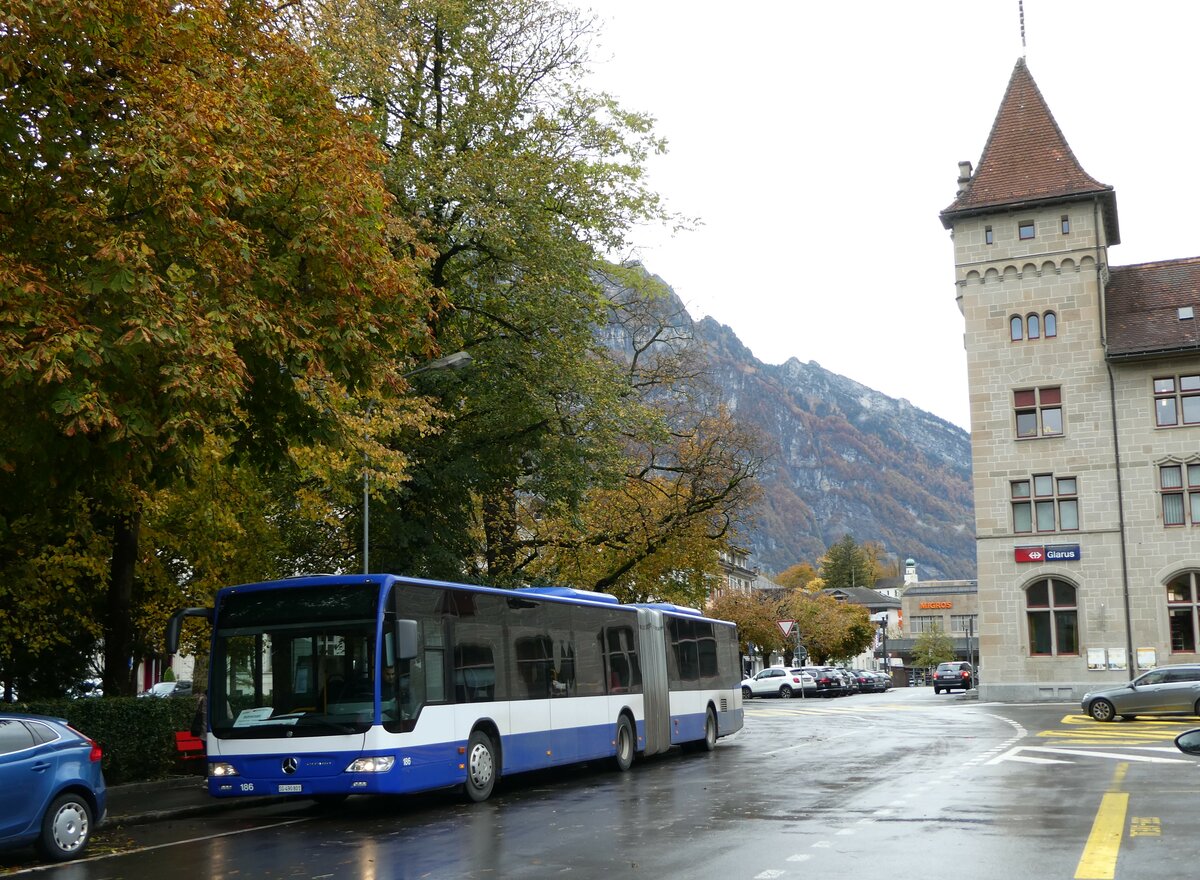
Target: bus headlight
<point>220,768</point>
<point>378,764</point>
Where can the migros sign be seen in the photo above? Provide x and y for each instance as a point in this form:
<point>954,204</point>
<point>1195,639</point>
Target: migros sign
<point>925,605</point>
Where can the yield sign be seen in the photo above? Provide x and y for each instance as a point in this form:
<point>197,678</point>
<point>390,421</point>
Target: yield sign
<point>786,626</point>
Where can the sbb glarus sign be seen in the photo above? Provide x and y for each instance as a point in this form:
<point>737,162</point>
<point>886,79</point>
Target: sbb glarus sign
<point>1049,553</point>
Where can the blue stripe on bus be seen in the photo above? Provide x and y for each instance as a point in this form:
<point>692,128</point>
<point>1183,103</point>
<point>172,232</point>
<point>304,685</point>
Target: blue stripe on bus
<point>417,768</point>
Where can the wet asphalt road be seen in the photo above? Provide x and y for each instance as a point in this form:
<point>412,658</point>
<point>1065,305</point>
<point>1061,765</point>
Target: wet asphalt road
<point>903,785</point>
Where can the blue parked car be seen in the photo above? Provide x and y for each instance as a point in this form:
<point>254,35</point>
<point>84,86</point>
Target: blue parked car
<point>54,795</point>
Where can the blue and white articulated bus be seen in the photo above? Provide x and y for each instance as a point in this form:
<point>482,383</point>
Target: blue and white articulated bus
<point>335,685</point>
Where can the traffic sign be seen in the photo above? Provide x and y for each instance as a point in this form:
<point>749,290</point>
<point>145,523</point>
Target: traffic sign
<point>786,626</point>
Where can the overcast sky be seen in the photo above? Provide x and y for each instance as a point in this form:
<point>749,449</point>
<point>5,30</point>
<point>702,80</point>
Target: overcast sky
<point>817,142</point>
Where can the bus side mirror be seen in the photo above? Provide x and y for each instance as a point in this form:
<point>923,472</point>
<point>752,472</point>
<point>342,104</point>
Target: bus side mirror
<point>175,624</point>
<point>406,639</point>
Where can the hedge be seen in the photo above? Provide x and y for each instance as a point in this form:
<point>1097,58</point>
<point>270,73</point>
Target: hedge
<point>137,734</point>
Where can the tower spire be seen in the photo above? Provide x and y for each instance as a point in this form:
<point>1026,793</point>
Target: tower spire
<point>1021,13</point>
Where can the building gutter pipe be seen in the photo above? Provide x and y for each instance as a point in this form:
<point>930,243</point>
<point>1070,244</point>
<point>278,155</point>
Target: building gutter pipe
<point>1102,303</point>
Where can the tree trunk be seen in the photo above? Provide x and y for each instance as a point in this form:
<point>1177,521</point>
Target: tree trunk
<point>500,532</point>
<point>119,669</point>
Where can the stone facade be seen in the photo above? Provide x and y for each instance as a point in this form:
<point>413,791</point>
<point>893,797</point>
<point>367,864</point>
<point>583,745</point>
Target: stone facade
<point>1062,414</point>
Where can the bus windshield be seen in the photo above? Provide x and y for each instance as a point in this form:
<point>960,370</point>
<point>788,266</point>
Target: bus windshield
<point>295,661</point>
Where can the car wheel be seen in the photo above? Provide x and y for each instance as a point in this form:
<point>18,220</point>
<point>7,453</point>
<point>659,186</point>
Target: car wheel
<point>785,692</point>
<point>625,746</point>
<point>482,766</point>
<point>1102,710</point>
<point>66,828</point>
<point>747,693</point>
<point>937,690</point>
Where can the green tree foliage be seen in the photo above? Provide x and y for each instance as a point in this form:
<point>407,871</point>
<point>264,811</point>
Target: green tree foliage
<point>831,630</point>
<point>554,459</point>
<point>847,564</point>
<point>196,242</point>
<point>931,647</point>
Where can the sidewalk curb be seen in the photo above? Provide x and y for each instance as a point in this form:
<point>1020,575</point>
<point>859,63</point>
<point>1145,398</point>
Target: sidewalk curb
<point>219,805</point>
<point>130,803</point>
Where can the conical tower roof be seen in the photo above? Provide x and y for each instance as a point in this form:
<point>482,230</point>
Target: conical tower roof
<point>1027,161</point>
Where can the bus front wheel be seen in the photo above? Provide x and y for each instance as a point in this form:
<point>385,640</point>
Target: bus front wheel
<point>481,766</point>
<point>625,747</point>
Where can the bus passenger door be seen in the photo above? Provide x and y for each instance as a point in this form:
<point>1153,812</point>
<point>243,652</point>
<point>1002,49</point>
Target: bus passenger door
<point>656,697</point>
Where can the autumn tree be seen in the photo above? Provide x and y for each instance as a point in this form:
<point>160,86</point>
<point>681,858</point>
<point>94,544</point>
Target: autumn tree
<point>801,576</point>
<point>757,616</point>
<point>197,243</point>
<point>830,629</point>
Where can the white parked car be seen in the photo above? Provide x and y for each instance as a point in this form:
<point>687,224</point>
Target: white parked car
<point>780,681</point>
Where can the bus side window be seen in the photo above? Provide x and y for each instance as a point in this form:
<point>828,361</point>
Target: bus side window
<point>474,674</point>
<point>622,660</point>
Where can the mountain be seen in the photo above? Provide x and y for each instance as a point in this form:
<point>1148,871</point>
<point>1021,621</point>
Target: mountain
<point>846,460</point>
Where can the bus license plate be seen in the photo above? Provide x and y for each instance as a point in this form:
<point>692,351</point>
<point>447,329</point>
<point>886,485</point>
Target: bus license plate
<point>295,787</point>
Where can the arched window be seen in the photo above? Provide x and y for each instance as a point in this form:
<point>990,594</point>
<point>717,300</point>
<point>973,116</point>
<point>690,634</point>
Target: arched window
<point>1034,326</point>
<point>1182,612</point>
<point>1016,328</point>
<point>1050,324</point>
<point>1053,617</point>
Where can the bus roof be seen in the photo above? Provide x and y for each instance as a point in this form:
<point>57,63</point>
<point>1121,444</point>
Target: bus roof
<point>565,594</point>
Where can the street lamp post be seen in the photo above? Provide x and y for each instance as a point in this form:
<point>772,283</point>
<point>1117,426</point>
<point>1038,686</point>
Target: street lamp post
<point>455,361</point>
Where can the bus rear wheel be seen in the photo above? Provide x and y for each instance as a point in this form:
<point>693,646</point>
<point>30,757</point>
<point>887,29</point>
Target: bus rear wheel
<point>625,747</point>
<point>482,766</point>
<point>708,742</point>
<point>710,733</point>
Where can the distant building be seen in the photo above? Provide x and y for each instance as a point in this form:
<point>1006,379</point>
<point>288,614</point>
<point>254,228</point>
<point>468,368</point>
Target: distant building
<point>736,574</point>
<point>884,611</point>
<point>1085,419</point>
<point>894,586</point>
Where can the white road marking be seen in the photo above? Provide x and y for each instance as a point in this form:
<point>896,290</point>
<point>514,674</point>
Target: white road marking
<point>1020,755</point>
<point>142,849</point>
<point>1123,757</point>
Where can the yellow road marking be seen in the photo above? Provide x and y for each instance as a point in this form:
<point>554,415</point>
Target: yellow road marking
<point>1081,730</point>
<point>1145,826</point>
<point>1099,859</point>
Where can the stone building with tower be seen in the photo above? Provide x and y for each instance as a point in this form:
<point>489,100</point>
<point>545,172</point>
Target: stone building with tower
<point>1085,420</point>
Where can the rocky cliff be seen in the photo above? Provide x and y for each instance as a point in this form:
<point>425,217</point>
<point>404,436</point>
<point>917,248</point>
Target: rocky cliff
<point>845,460</point>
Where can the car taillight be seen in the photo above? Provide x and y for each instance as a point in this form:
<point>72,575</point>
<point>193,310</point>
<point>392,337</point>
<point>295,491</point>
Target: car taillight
<point>795,680</point>
<point>96,753</point>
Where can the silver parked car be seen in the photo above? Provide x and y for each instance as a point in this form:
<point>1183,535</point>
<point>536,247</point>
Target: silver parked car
<point>1167,690</point>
